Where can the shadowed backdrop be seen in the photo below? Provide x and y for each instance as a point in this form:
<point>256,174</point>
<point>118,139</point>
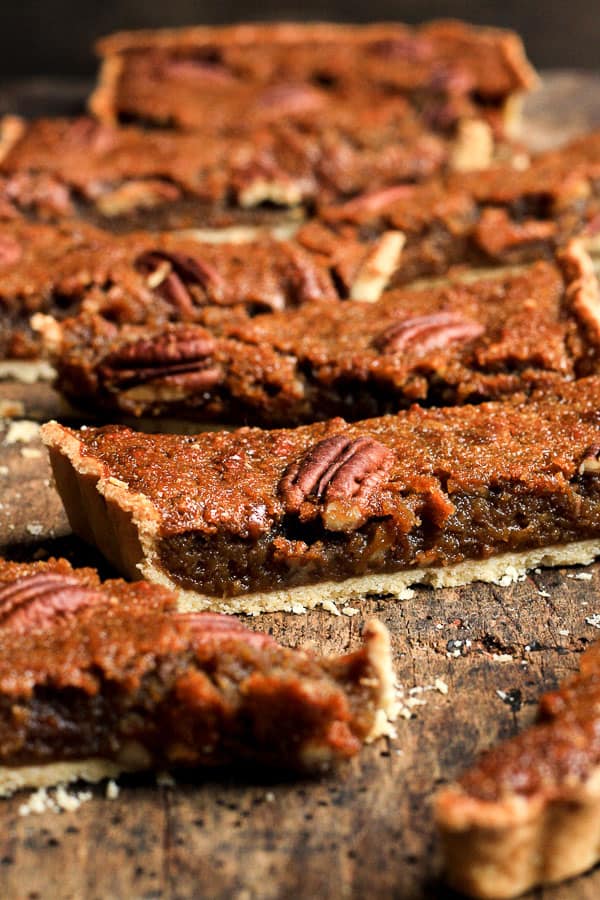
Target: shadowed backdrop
<point>54,37</point>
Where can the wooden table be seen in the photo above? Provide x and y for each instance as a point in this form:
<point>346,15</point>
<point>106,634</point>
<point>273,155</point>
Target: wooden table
<point>366,831</point>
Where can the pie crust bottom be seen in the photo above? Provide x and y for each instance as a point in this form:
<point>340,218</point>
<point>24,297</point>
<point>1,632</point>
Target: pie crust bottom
<point>500,849</point>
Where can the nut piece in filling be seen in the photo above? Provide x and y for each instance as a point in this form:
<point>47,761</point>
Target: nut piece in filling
<point>99,678</point>
<point>526,814</point>
<point>461,342</point>
<point>256,520</point>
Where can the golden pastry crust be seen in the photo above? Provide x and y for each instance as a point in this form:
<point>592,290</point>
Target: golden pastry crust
<point>230,520</point>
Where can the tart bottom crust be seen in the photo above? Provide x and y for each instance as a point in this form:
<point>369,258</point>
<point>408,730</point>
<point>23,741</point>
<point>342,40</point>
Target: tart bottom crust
<point>502,849</point>
<point>135,758</point>
<point>16,778</point>
<point>124,526</point>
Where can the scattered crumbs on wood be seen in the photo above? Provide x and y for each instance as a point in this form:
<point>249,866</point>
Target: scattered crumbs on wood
<point>21,432</point>
<point>61,800</point>
<point>457,648</point>
<point>408,700</point>
<point>441,686</point>
<point>511,575</point>
<point>329,606</point>
<point>35,528</point>
<point>512,698</point>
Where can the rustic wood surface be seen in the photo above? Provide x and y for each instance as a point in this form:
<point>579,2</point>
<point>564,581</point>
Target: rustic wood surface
<point>365,831</point>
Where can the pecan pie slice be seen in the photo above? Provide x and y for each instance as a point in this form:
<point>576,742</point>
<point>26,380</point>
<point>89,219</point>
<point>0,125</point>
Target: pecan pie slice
<point>228,79</point>
<point>147,279</point>
<point>527,813</point>
<point>457,343</point>
<point>503,215</point>
<point>99,678</point>
<point>128,178</point>
<point>257,520</point>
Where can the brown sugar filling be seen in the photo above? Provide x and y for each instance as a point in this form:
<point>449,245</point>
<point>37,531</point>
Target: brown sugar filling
<point>501,519</point>
<point>72,723</point>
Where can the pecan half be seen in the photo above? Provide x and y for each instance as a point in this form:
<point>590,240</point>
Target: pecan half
<point>34,601</point>
<point>423,333</point>
<point>181,279</point>
<point>170,356</point>
<point>341,473</point>
<point>207,626</point>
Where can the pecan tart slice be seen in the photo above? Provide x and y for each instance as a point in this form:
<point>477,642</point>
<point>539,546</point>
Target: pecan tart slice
<point>501,216</point>
<point>256,520</point>
<point>144,279</point>
<point>126,178</point>
<point>528,812</point>
<point>228,79</point>
<point>458,343</point>
<point>99,678</point>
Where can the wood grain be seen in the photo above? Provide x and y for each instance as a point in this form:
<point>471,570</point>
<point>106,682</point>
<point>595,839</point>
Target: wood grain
<point>365,831</point>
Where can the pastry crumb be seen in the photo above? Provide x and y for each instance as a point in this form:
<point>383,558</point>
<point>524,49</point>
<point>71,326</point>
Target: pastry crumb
<point>511,576</point>
<point>441,686</point>
<point>502,657</point>
<point>165,779</point>
<point>270,797</point>
<point>31,453</point>
<point>581,576</point>
<point>70,802</point>
<point>62,801</point>
<point>544,594</point>
<point>112,790</point>
<point>350,610</point>
<point>593,620</point>
<point>408,700</point>
<point>329,606</point>
<point>35,528</point>
<point>10,409</point>
<point>298,609</point>
<point>21,432</point>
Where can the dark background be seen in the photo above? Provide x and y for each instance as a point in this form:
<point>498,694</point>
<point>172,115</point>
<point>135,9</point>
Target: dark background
<point>54,37</point>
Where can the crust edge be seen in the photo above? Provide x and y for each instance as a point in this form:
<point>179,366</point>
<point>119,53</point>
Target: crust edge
<point>502,849</point>
<point>124,526</point>
<point>17,778</point>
